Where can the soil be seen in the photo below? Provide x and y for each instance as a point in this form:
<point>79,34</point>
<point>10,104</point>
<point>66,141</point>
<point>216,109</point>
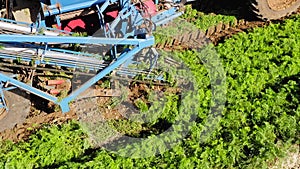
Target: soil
<point>280,4</point>
<point>17,101</point>
<point>23,131</point>
<point>290,161</point>
<point>84,109</point>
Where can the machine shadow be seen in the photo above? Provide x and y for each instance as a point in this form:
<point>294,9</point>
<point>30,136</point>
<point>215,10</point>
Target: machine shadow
<point>237,8</point>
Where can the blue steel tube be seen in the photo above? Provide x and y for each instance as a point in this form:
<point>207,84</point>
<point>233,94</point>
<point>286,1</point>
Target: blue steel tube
<point>139,43</point>
<point>70,39</point>
<point>67,6</point>
<point>28,88</point>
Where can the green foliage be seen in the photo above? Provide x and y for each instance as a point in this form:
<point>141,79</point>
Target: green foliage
<point>205,21</point>
<point>80,34</point>
<point>141,105</point>
<point>261,113</point>
<point>49,146</point>
<point>177,27</point>
<point>127,127</point>
<point>105,84</point>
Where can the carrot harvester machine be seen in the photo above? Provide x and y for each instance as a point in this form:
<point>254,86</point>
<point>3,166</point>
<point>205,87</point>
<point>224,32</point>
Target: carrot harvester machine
<point>38,35</point>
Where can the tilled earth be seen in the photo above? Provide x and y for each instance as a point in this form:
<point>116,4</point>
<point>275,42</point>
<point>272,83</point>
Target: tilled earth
<point>23,131</point>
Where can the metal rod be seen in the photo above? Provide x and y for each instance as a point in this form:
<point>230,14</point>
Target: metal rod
<point>80,40</point>
<point>28,88</point>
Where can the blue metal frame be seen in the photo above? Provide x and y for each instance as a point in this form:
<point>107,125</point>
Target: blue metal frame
<point>71,39</point>
<point>63,6</point>
<point>126,55</point>
<point>127,11</point>
<point>128,16</point>
<point>3,103</point>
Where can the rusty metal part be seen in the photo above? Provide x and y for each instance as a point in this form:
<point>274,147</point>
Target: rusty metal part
<point>47,8</point>
<point>9,7</point>
<point>58,6</point>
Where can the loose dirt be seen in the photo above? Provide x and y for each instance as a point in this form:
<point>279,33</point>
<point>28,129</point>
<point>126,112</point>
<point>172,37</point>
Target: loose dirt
<point>280,4</point>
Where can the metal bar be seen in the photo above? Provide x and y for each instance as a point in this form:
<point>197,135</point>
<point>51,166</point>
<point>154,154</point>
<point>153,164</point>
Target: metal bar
<point>166,20</point>
<point>166,16</point>
<point>77,63</point>
<point>3,102</point>
<point>73,7</point>
<point>28,88</point>
<point>82,40</point>
<point>28,28</point>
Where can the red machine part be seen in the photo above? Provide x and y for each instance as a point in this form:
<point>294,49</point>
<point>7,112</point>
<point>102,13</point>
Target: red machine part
<point>91,23</point>
<point>149,8</point>
<point>58,86</point>
<point>75,24</point>
<point>55,82</point>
